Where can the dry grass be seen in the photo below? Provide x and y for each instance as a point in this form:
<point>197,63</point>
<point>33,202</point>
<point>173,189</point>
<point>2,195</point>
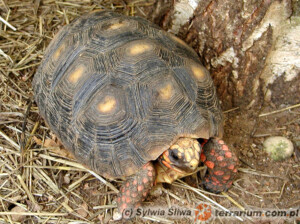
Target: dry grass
<point>39,184</point>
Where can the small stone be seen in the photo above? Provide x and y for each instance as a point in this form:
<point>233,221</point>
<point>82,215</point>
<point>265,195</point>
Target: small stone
<point>86,186</point>
<point>67,179</point>
<point>83,210</point>
<point>249,154</point>
<point>279,148</point>
<point>18,217</point>
<point>117,215</point>
<point>157,190</point>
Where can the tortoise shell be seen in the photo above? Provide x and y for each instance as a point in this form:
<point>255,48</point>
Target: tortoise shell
<point>118,91</point>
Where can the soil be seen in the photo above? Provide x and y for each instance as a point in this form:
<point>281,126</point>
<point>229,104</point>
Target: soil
<point>261,182</point>
<point>246,133</point>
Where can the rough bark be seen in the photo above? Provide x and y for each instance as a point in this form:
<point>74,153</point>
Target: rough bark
<point>250,47</point>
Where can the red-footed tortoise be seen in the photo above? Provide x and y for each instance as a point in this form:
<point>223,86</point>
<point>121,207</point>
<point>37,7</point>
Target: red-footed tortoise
<point>131,100</point>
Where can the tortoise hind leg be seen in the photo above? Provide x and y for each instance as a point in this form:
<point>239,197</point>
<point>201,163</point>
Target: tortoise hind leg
<point>221,165</point>
<point>135,189</point>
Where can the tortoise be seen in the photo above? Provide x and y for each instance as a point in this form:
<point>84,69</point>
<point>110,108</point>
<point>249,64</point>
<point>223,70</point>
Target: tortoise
<point>133,101</point>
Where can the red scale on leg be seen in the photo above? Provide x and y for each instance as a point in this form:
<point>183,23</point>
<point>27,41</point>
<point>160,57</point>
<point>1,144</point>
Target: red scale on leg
<point>140,188</point>
<point>219,172</point>
<point>128,200</point>
<point>220,175</point>
<point>145,180</point>
<point>202,157</point>
<point>136,188</point>
<point>227,177</point>
<point>225,147</point>
<point>221,142</point>
<point>228,154</point>
<point>220,158</point>
<point>231,167</point>
<point>209,164</point>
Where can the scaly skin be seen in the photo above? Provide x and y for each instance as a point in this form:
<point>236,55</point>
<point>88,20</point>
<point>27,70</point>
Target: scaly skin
<point>221,163</point>
<point>136,188</point>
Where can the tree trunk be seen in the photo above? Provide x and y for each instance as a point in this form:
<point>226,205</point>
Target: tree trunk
<point>250,47</point>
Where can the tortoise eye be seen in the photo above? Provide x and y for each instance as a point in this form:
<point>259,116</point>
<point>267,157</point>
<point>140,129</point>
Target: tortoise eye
<point>174,155</point>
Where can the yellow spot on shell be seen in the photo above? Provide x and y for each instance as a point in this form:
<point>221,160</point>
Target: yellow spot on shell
<point>58,52</point>
<point>76,74</point>
<point>166,92</point>
<point>198,72</point>
<point>139,48</point>
<point>116,26</point>
<point>107,105</point>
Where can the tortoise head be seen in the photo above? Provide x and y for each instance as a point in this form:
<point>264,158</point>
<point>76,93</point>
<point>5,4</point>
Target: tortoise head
<point>180,160</point>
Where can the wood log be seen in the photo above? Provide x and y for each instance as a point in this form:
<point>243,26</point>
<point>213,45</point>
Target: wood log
<point>251,48</point>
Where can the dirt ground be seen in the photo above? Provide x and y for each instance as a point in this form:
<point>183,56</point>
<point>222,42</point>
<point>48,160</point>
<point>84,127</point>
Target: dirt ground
<point>40,184</point>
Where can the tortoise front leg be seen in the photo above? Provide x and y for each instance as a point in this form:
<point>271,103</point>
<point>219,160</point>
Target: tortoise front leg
<point>136,188</point>
<point>221,165</point>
